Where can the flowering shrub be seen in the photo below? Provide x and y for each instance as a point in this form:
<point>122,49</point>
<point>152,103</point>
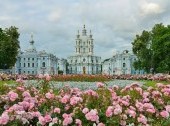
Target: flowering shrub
<point>131,105</point>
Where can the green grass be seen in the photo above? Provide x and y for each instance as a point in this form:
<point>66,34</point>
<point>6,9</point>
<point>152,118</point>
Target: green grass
<point>151,83</point>
<point>8,82</point>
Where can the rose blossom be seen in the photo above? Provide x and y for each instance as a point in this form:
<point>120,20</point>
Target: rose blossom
<point>100,84</point>
<point>142,119</point>
<point>57,110</point>
<point>4,119</point>
<point>42,120</point>
<point>92,115</point>
<point>85,110</point>
<point>65,99</point>
<point>49,95</point>
<point>78,122</point>
<point>164,114</point>
<point>109,111</point>
<point>67,119</point>
<point>12,96</point>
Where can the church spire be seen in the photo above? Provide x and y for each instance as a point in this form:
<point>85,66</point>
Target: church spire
<point>84,31</point>
<point>90,34</point>
<point>31,41</point>
<point>31,47</point>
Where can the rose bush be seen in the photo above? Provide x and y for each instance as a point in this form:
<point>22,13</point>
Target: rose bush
<point>131,105</point>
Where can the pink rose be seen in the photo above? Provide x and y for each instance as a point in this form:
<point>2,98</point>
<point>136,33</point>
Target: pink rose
<point>109,111</point>
<point>85,110</point>
<point>142,119</point>
<point>48,118</point>
<point>92,115</point>
<point>167,108</point>
<point>57,110</point>
<point>49,95</point>
<point>12,96</point>
<point>67,119</point>
<point>100,84</point>
<point>4,119</point>
<point>42,120</point>
<point>78,122</point>
<point>164,114</point>
<point>65,99</point>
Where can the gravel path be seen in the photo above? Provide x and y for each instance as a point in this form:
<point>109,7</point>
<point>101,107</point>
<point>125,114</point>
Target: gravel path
<point>86,85</point>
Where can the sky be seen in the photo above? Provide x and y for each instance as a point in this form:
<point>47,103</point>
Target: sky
<point>54,23</point>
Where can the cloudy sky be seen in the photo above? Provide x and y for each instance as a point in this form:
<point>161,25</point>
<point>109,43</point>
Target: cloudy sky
<point>114,23</point>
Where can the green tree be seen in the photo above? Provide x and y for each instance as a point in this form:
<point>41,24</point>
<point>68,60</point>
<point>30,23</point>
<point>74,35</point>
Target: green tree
<point>152,49</point>
<point>9,47</point>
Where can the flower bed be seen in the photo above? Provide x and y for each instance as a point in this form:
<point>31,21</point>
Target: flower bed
<point>131,105</point>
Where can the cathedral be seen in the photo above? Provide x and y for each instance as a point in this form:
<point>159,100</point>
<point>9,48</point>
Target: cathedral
<point>120,63</point>
<point>84,61</point>
<point>33,62</point>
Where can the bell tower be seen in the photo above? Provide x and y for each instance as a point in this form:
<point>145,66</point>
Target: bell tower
<point>84,43</point>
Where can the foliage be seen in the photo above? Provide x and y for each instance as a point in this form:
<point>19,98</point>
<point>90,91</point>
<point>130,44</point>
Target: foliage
<point>152,49</point>
<point>9,45</point>
<point>131,105</point>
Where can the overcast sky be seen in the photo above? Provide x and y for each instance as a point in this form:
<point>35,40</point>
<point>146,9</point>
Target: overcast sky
<point>114,23</point>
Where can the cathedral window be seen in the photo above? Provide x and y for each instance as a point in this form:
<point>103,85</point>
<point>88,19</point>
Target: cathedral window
<point>84,60</point>
<point>79,50</point>
<point>123,58</point>
<point>28,59</point>
<point>28,64</point>
<point>28,72</point>
<point>24,58</point>
<point>124,64</point>
<point>43,58</point>
<point>32,64</point>
<point>32,59</point>
<point>43,64</point>
<point>24,64</point>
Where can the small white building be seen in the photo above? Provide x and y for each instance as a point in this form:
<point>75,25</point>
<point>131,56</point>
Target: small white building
<point>120,63</point>
<point>34,62</point>
<point>84,61</point>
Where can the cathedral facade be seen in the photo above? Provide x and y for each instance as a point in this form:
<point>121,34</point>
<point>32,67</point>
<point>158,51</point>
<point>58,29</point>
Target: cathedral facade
<point>33,62</point>
<point>84,61</point>
<point>120,63</point>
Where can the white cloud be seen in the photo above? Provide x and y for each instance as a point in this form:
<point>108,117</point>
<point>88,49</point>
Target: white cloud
<point>151,8</point>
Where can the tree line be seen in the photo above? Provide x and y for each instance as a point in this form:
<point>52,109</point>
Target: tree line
<point>152,49</point>
<point>9,47</point>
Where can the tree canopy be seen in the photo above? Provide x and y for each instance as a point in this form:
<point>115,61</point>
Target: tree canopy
<point>152,49</point>
<point>9,47</point>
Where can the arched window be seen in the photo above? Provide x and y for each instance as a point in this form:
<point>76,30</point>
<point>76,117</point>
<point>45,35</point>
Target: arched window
<point>124,64</point>
<point>43,64</point>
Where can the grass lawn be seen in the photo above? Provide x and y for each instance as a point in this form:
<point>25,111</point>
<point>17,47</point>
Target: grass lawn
<point>7,82</point>
<point>151,83</point>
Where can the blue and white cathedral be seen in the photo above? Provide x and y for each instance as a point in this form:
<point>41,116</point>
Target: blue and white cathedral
<point>84,61</point>
<point>35,62</point>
